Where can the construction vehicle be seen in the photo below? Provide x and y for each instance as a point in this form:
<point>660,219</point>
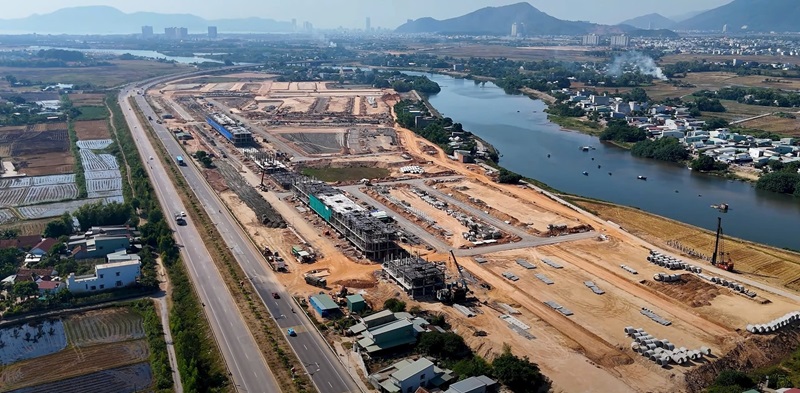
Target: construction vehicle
<point>274,260</point>
<point>718,257</point>
<point>316,281</point>
<point>456,291</point>
<point>302,255</point>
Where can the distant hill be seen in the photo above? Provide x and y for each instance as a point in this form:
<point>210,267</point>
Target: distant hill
<point>109,20</point>
<point>650,22</point>
<point>683,17</point>
<point>498,21</point>
<point>748,15</point>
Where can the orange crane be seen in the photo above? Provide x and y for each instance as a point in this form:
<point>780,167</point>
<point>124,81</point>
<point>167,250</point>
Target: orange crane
<point>719,249</point>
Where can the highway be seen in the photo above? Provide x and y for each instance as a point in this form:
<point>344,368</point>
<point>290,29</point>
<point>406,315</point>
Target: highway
<point>320,361</point>
<point>248,368</point>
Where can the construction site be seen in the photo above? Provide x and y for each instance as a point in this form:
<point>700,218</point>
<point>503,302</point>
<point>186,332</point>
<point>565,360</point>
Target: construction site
<point>598,308</point>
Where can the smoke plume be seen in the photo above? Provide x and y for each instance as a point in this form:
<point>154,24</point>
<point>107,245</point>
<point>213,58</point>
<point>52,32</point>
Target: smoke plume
<point>633,61</point>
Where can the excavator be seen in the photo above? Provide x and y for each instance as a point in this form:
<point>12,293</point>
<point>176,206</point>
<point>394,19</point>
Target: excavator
<point>454,292</point>
<point>719,249</point>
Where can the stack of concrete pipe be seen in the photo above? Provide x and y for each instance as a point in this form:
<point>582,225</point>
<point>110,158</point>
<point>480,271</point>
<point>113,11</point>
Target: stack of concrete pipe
<point>733,285</point>
<point>775,324</point>
<point>671,263</point>
<point>664,277</point>
<point>662,351</point>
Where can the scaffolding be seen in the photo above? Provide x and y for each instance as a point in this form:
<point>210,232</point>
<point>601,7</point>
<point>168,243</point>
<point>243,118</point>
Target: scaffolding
<point>417,277</point>
<point>371,236</point>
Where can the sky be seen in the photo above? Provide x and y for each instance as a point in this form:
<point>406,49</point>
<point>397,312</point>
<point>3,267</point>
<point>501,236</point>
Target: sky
<point>383,13</point>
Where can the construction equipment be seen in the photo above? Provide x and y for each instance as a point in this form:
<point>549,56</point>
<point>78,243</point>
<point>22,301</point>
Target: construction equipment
<point>719,249</point>
<point>456,291</point>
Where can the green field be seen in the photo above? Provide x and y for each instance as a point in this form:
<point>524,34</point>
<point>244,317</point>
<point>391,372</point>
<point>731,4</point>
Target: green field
<point>332,175</point>
<point>576,124</point>
<point>92,113</point>
<point>119,73</point>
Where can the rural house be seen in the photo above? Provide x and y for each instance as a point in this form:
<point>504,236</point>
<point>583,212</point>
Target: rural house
<point>407,375</point>
<point>97,246</point>
<point>121,273</point>
<point>43,247</point>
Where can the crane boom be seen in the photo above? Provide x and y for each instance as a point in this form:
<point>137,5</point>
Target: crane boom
<point>458,268</point>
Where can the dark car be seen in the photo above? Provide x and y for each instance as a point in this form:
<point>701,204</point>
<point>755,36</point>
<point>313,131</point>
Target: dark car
<point>291,332</point>
<point>275,295</point>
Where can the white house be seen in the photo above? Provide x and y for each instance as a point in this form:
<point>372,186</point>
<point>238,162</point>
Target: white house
<point>106,276</point>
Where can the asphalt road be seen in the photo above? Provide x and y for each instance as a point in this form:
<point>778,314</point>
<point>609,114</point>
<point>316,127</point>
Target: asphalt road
<point>320,361</point>
<point>248,368</point>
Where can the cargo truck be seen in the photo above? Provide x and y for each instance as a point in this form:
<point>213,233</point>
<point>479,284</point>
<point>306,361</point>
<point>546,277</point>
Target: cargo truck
<point>302,255</point>
<point>316,281</point>
<point>180,161</point>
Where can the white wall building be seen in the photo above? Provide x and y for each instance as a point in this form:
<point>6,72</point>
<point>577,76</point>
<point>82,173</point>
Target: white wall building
<point>106,276</point>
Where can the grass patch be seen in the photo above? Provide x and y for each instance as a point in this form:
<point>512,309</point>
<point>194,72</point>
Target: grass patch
<point>92,113</point>
<point>80,178</point>
<point>332,175</point>
<point>577,124</point>
<point>119,73</point>
<point>159,357</point>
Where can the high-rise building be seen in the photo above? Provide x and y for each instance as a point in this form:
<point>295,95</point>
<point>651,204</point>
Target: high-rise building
<point>183,33</point>
<point>620,41</point>
<point>294,24</point>
<point>308,27</point>
<point>367,26</point>
<point>147,31</point>
<point>514,28</point>
<point>212,32</point>
<point>724,28</point>
<point>591,40</point>
<point>171,32</point>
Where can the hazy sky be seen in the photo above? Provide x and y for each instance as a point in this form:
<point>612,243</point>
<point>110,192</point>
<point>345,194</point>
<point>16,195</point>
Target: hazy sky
<point>384,13</point>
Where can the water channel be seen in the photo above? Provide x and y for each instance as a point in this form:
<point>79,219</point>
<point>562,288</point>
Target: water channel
<point>149,54</point>
<point>517,126</point>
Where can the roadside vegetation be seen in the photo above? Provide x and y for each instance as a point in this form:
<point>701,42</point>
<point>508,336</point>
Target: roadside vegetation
<point>159,357</point>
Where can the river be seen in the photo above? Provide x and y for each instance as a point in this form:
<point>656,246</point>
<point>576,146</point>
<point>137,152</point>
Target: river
<point>138,53</point>
<point>517,126</point>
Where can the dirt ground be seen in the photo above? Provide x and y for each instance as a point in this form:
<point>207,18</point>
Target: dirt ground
<point>781,125</point>
<point>88,99</point>
<point>448,223</point>
<point>92,129</point>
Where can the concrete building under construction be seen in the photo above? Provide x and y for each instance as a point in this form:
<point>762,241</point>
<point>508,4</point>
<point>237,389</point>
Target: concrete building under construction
<point>371,236</point>
<point>418,277</point>
<point>230,129</point>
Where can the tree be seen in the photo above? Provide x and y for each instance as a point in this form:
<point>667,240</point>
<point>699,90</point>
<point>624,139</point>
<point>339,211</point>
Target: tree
<point>705,163</point>
<point>10,259</point>
<point>59,227</point>
<point>636,94</point>
<point>99,214</point>
<point>442,345</point>
<point>664,149</point>
<point>518,374</point>
<point>620,131</point>
<point>394,305</point>
<point>784,182</point>
<point>11,79</point>
<point>25,289</point>
<point>507,177</point>
<point>473,367</point>
<point>714,123</point>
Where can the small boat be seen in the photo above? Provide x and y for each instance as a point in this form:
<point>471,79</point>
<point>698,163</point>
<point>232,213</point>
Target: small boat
<point>598,167</point>
<point>585,173</point>
<point>722,207</point>
<point>592,158</point>
<point>585,148</point>
<point>548,156</point>
<point>676,191</point>
<point>609,173</point>
<point>641,177</point>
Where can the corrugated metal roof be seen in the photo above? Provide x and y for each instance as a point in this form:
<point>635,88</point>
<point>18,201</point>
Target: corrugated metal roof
<point>324,302</point>
<point>412,369</point>
<point>355,298</point>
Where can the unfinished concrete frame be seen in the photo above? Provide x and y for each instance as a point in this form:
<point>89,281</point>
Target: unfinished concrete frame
<point>417,277</point>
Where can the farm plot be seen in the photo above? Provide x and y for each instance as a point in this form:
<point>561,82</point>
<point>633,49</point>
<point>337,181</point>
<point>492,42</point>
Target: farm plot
<point>56,209</point>
<point>17,182</point>
<point>53,179</point>
<point>104,326</point>
<point>93,162</point>
<point>7,215</point>
<point>31,340</point>
<point>50,193</point>
<point>129,379</point>
<point>91,129</point>
<point>11,197</point>
<point>42,164</point>
<point>103,187</point>
<point>110,160</point>
<point>73,362</point>
<point>87,99</point>
<point>94,144</point>
<point>109,174</point>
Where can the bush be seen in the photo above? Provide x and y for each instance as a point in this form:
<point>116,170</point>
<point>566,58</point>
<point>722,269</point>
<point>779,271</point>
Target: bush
<point>508,177</point>
<point>519,374</point>
<point>706,163</point>
<point>448,346</point>
<point>783,181</point>
<point>620,131</point>
<point>394,305</point>
<point>473,367</point>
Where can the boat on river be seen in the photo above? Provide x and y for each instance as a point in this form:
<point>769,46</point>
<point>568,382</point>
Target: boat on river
<point>722,207</point>
<point>585,173</point>
<point>641,177</point>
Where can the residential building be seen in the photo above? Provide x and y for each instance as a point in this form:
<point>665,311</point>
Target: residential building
<point>672,134</point>
<point>464,156</point>
<point>620,41</point>
<point>514,29</point>
<point>176,33</point>
<point>356,303</point>
<point>121,273</point>
<point>406,376</point>
<point>324,305</point>
<point>49,287</point>
<point>599,100</point>
<point>212,32</point>
<point>386,330</point>
<point>147,31</point>
<point>23,243</point>
<point>591,40</point>
<point>458,67</point>
<point>97,246</point>
<point>368,25</point>
<point>43,247</point>
<point>479,384</point>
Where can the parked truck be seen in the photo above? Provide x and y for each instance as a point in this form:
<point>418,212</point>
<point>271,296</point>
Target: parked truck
<point>316,281</point>
<point>302,255</point>
<point>180,161</point>
<point>274,260</point>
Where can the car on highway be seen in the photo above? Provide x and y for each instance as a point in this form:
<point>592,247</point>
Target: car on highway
<point>275,295</point>
<point>183,214</point>
<point>291,332</point>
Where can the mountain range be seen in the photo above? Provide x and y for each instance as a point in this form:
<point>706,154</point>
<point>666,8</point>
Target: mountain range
<point>109,20</point>
<point>650,21</point>
<point>498,21</point>
<point>748,15</point>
